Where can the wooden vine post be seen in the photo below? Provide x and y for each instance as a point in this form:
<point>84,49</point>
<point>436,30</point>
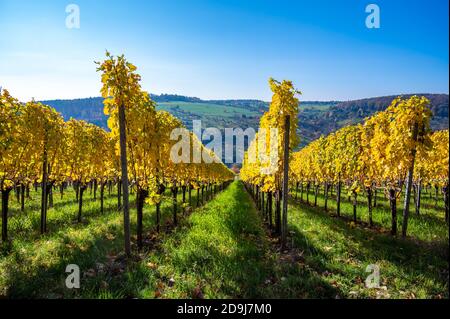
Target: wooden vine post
<point>124,169</point>
<point>287,125</point>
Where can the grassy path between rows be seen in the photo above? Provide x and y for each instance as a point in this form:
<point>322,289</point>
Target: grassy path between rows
<point>223,251</point>
<point>220,250</point>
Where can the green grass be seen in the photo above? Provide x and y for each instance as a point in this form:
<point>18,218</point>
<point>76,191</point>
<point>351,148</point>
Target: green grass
<point>306,107</point>
<point>34,266</point>
<point>222,250</point>
<point>429,226</point>
<point>205,109</point>
<point>415,267</point>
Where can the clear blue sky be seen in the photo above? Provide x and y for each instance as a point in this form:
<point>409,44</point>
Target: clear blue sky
<point>227,48</point>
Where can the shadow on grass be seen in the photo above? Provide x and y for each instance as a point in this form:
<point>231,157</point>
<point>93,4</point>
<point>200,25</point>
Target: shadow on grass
<point>225,246</point>
<point>27,275</point>
<point>411,255</point>
<point>24,279</point>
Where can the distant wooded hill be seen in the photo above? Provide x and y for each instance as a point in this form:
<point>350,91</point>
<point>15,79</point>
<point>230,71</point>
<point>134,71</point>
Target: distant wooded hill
<point>315,118</point>
<point>352,112</point>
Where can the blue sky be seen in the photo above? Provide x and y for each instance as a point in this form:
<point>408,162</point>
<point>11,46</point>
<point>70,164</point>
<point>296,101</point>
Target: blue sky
<point>227,48</point>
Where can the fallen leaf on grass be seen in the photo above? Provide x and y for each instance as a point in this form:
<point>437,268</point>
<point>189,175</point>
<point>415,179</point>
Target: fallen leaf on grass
<point>100,267</point>
<point>152,265</point>
<point>89,273</point>
<point>197,293</point>
<point>334,284</point>
<point>110,236</point>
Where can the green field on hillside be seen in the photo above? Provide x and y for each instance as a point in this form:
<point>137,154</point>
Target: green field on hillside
<point>205,109</point>
<point>314,107</point>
